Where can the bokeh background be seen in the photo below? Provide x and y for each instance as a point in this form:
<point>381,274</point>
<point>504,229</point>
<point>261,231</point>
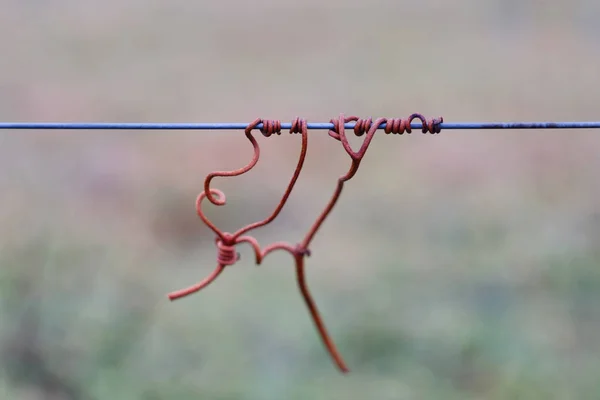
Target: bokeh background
<point>459,266</point>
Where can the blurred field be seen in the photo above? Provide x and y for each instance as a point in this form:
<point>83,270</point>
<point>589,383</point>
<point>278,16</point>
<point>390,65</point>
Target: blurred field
<point>461,266</point>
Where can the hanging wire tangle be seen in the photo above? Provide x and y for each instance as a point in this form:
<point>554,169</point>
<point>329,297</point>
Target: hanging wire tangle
<point>313,125</point>
<point>226,242</point>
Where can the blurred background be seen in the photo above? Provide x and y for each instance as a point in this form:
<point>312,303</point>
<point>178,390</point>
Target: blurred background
<point>457,266</point>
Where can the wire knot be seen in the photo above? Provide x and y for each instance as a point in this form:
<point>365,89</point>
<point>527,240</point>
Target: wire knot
<point>397,126</point>
<point>271,127</point>
<point>338,125</point>
<point>299,125</point>
<point>362,126</point>
<point>432,126</point>
<point>226,254</point>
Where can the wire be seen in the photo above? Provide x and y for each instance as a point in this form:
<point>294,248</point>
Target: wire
<point>314,125</point>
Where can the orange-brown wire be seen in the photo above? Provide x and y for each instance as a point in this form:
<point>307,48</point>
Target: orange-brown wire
<point>226,242</point>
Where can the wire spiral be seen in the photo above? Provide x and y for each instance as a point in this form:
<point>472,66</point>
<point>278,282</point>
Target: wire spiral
<point>271,127</point>
<point>226,254</point>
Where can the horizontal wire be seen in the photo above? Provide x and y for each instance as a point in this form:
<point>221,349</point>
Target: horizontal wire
<point>313,125</point>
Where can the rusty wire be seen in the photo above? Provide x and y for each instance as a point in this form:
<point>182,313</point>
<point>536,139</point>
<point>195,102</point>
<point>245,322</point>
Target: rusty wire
<point>226,242</point>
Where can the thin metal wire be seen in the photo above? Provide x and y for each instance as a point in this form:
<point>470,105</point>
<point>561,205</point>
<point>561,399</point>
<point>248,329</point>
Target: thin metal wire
<point>314,125</point>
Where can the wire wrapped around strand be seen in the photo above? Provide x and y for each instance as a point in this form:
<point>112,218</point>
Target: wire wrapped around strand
<point>226,242</point>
